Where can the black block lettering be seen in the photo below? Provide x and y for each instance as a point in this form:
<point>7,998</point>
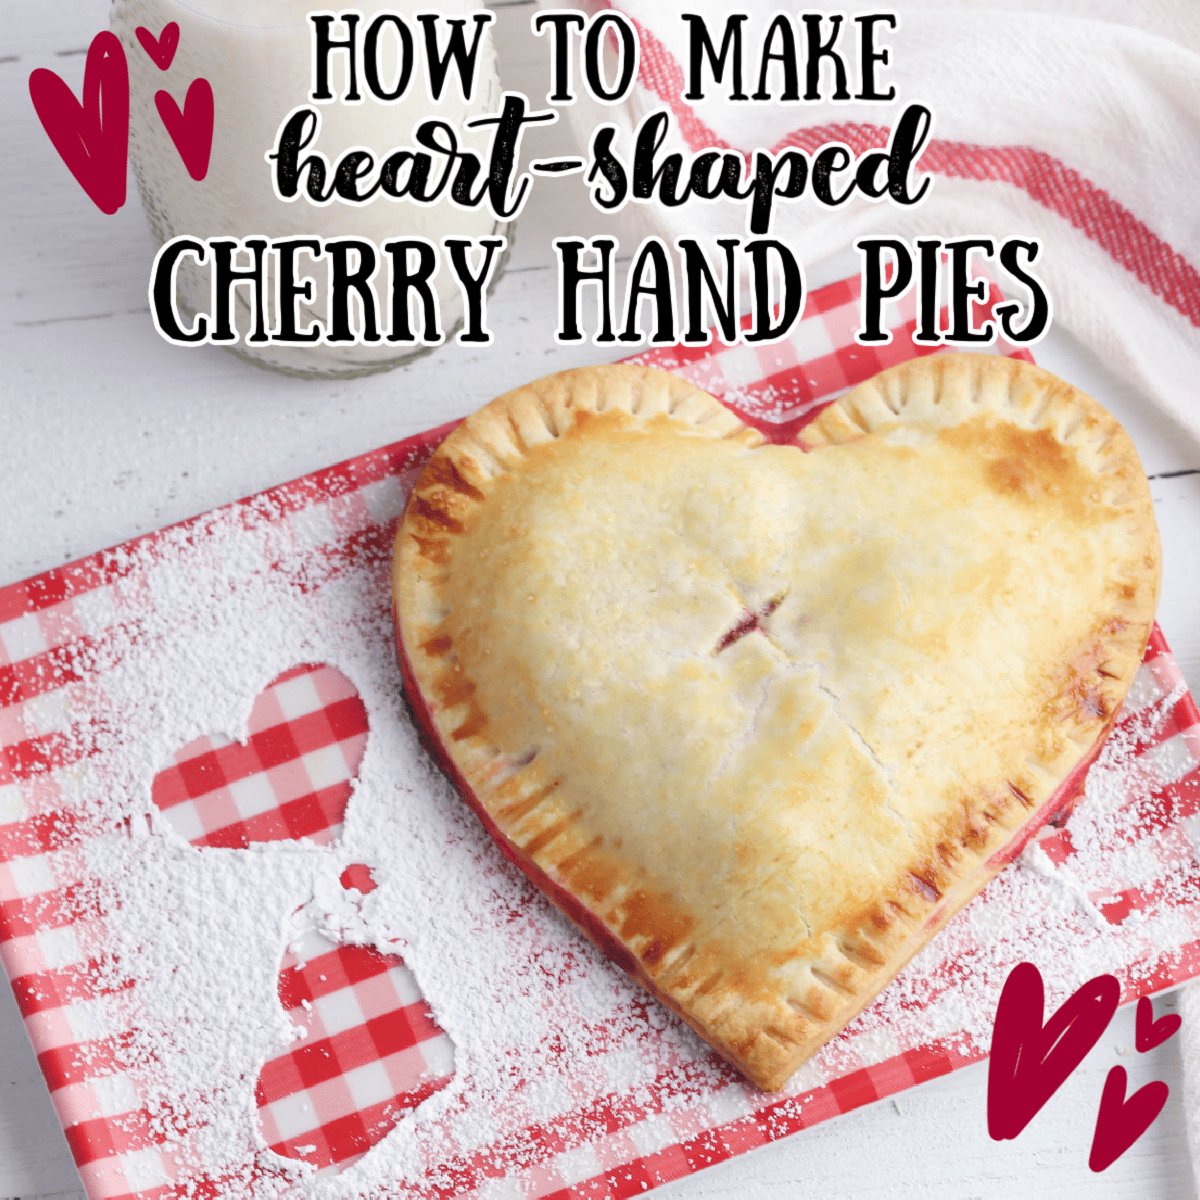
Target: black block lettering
<point>875,290</point>
<point>697,272</point>
<point>474,287</point>
<point>571,277</point>
<point>560,74</point>
<point>162,292</point>
<point>1039,316</point>
<point>700,47</point>
<point>289,290</point>
<point>343,280</point>
<point>323,44</point>
<point>226,278</point>
<point>962,288</point>
<point>792,290</point>
<point>415,279</point>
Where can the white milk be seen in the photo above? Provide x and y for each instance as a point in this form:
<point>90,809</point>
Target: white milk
<point>257,55</point>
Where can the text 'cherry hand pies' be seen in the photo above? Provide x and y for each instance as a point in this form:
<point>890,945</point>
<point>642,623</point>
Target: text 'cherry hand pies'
<point>760,720</point>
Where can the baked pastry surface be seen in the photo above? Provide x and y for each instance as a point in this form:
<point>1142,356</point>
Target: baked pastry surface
<point>762,720</point>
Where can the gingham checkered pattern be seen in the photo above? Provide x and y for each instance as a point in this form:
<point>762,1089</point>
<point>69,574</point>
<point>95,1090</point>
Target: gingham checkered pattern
<point>370,1052</point>
<point>290,779</point>
<point>53,930</point>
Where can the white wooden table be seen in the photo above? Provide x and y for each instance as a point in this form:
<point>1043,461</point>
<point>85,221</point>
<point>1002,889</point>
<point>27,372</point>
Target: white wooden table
<point>107,432</point>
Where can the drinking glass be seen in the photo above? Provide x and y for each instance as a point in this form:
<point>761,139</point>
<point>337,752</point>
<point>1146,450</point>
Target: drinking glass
<point>256,54</point>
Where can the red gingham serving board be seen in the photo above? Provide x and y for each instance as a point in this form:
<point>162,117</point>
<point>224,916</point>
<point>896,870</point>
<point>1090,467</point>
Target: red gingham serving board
<point>367,1050</point>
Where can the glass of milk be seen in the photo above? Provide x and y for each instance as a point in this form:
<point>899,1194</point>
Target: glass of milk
<point>257,55</point>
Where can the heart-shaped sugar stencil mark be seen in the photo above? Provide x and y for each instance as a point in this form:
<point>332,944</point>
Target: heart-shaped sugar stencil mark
<point>161,49</point>
<point>290,779</point>
<point>1149,1032</point>
<point>1120,1122</point>
<point>92,138</point>
<point>192,128</point>
<point>1030,1061</point>
<point>369,1054</point>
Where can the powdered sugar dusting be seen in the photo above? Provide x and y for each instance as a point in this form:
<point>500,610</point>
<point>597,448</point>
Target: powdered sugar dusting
<point>555,1050</point>
<point>207,617</point>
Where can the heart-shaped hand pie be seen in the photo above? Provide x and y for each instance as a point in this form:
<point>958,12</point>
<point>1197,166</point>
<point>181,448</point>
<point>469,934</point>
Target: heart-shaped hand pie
<point>758,720</point>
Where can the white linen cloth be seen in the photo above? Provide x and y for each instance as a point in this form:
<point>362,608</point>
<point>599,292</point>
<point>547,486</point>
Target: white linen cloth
<point>1083,116</point>
<point>1081,121</point>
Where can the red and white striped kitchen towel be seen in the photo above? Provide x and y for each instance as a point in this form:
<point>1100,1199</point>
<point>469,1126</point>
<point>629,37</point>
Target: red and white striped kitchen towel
<point>1073,122</point>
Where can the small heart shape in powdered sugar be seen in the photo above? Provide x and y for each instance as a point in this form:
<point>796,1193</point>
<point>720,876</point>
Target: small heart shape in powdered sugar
<point>368,1053</point>
<point>290,779</point>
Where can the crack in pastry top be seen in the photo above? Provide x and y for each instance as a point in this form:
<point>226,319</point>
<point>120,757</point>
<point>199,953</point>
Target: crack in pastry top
<point>588,545</point>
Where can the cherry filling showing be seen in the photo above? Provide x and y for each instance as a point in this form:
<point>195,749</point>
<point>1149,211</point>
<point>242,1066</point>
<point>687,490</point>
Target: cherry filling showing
<point>751,622</point>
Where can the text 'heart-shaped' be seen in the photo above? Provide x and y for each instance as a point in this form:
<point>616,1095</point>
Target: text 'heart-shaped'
<point>91,137</point>
<point>1030,1061</point>
<point>290,779</point>
<point>370,1052</point>
<point>1149,1032</point>
<point>1121,1122</point>
<point>161,49</point>
<point>191,128</point>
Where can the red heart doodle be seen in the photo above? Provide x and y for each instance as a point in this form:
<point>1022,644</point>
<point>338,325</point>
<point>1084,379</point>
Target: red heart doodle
<point>192,129</point>
<point>1151,1033</point>
<point>1029,1061</point>
<point>92,138</point>
<point>162,48</point>
<point>1120,1122</point>
<point>291,778</point>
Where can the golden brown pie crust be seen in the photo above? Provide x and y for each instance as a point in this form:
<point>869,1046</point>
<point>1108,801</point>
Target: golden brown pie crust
<point>761,721</point>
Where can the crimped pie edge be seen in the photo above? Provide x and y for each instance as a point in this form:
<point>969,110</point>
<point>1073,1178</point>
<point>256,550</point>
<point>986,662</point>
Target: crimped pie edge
<point>765,1037</point>
<point>944,390</point>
